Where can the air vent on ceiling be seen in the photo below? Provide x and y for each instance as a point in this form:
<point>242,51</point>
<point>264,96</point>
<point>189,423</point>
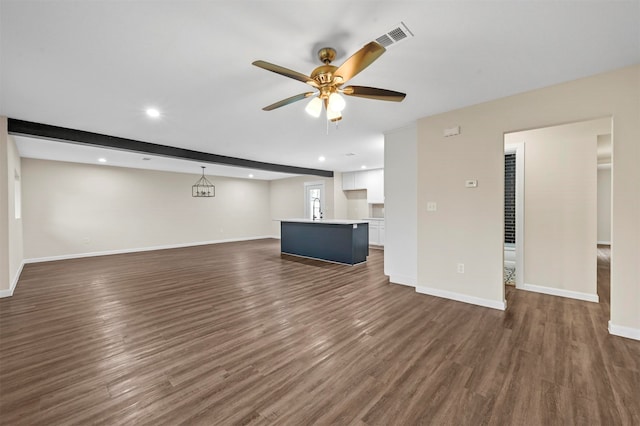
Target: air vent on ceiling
<point>395,35</point>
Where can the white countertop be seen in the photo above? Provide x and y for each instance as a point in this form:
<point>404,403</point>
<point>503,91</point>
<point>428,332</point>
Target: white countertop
<point>328,221</point>
<point>373,218</point>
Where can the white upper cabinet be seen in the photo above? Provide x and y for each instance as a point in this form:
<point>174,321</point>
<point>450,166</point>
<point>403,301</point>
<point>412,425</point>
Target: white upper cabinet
<point>348,181</point>
<point>354,180</point>
<point>375,186</point>
<point>371,180</point>
<point>362,180</point>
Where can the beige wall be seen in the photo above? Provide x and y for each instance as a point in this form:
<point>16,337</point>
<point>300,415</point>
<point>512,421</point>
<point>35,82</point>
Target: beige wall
<point>604,205</point>
<point>560,206</point>
<point>467,227</point>
<point>287,199</point>
<point>340,202</point>
<point>11,238</point>
<point>357,207</point>
<point>71,209</point>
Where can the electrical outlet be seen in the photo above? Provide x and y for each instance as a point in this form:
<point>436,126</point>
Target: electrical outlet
<point>86,240</point>
<point>461,268</point>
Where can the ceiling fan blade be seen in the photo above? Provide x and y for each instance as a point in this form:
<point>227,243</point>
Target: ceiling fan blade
<point>358,61</point>
<point>288,101</point>
<point>374,93</point>
<point>286,72</point>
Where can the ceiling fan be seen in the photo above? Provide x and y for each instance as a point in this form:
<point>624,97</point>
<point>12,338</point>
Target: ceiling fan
<point>328,80</point>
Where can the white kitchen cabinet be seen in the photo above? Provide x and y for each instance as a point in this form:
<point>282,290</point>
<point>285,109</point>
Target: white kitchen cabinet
<point>371,180</point>
<point>349,181</point>
<point>373,232</point>
<point>375,186</point>
<point>362,180</point>
<point>376,232</point>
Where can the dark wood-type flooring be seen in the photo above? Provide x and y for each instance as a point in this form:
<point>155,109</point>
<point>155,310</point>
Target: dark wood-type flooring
<point>236,334</point>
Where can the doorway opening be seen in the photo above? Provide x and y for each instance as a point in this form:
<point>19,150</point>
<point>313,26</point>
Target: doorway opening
<point>557,215</point>
<point>604,219</point>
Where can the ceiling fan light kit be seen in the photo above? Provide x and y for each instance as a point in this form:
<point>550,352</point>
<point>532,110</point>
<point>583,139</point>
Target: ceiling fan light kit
<point>314,107</point>
<point>328,80</point>
<point>333,116</point>
<point>336,102</point>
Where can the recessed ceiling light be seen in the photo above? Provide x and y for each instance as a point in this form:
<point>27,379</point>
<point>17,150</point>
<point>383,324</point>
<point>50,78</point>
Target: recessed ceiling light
<point>102,160</point>
<point>153,112</point>
<point>363,167</point>
<point>321,158</point>
<point>250,175</point>
<point>146,159</point>
<point>350,154</point>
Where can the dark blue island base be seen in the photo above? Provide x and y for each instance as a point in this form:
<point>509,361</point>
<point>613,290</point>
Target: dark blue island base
<point>334,241</point>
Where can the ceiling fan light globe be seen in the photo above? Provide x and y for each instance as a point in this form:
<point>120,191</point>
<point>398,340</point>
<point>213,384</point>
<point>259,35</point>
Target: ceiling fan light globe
<point>314,107</point>
<point>333,115</point>
<point>336,102</point>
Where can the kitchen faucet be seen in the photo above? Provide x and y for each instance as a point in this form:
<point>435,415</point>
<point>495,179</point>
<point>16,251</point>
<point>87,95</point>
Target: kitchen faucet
<point>313,207</point>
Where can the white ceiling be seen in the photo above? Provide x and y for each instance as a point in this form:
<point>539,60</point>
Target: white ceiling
<point>97,65</point>
<point>61,151</point>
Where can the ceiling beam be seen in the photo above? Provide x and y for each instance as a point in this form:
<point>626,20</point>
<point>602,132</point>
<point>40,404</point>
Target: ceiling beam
<point>63,134</point>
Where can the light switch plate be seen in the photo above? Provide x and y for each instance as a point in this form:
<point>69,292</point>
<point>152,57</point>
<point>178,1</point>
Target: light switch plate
<point>432,206</point>
<point>471,183</point>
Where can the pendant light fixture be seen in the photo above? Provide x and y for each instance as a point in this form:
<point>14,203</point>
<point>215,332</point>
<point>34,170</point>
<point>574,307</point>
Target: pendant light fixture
<point>203,188</point>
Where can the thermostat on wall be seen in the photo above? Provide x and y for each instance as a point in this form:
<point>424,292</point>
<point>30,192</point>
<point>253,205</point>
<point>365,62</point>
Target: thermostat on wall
<point>451,131</point>
<point>471,183</point>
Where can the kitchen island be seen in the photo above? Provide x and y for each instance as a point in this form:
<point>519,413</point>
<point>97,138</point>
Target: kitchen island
<point>340,241</point>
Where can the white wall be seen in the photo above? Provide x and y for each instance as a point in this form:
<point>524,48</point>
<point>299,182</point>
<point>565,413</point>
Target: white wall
<point>11,238</point>
<point>16,236</point>
<point>5,277</point>
<point>468,224</point>
<point>401,194</point>
<point>73,209</point>
<point>560,207</point>
<point>604,204</point>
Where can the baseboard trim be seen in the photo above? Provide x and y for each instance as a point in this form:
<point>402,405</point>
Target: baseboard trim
<point>623,331</point>
<point>605,243</point>
<point>403,280</point>
<point>14,283</point>
<point>141,249</point>
<point>588,297</point>
<point>459,297</point>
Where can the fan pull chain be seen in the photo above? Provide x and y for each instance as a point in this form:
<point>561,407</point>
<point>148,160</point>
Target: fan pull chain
<point>328,124</point>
